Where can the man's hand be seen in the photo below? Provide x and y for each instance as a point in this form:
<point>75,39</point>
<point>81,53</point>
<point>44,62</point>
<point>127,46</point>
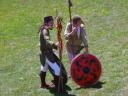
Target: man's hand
<point>86,52</point>
<point>57,44</point>
<point>74,29</point>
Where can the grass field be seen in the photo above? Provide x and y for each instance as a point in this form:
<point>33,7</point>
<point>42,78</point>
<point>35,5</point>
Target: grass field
<point>107,26</point>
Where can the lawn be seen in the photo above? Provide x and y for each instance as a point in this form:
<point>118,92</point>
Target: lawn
<point>107,28</point>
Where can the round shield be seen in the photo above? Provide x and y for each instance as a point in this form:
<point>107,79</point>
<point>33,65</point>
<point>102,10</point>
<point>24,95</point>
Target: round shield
<point>85,70</point>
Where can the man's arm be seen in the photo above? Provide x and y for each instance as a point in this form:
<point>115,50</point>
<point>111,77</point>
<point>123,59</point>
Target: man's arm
<point>84,38</point>
<point>48,43</point>
<point>67,33</point>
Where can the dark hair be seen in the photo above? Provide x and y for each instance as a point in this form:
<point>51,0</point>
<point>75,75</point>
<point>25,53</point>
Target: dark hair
<point>46,20</point>
<point>75,19</point>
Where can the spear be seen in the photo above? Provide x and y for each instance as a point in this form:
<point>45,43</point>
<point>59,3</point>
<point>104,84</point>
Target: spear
<point>69,7</point>
<point>59,38</point>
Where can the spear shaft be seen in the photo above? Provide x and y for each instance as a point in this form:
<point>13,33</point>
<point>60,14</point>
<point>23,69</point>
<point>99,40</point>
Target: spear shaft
<point>69,7</point>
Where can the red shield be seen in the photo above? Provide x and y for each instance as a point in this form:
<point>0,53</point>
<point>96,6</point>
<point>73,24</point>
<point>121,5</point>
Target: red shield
<point>85,71</point>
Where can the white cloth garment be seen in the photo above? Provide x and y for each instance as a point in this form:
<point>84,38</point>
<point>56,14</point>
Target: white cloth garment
<point>54,66</point>
<point>78,32</point>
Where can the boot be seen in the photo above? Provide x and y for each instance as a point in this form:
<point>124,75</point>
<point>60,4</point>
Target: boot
<point>42,78</point>
<point>59,87</point>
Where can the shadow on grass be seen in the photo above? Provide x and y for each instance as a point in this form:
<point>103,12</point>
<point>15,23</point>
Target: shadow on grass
<point>97,85</point>
<point>65,93</point>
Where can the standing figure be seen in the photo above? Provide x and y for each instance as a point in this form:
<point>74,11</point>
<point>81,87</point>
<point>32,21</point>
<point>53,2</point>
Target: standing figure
<point>76,37</point>
<point>48,58</point>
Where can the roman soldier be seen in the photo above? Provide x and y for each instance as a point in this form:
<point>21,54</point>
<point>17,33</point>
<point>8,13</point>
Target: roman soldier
<point>48,58</point>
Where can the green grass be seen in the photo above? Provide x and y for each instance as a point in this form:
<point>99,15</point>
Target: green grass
<point>107,27</point>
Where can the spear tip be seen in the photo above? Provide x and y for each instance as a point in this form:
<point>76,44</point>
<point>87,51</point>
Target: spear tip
<point>70,3</point>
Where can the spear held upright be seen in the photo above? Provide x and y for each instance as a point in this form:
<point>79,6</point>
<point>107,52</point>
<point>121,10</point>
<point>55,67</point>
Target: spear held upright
<point>69,7</point>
